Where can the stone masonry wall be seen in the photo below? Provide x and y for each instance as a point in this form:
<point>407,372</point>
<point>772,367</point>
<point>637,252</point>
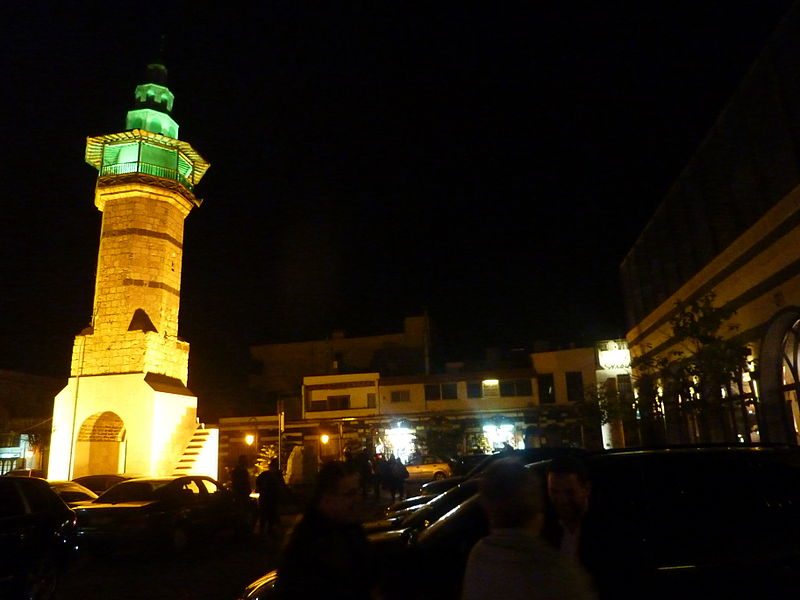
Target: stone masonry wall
<point>139,268</point>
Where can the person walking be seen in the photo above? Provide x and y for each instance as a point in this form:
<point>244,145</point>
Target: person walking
<point>272,491</point>
<point>327,555</point>
<point>240,487</point>
<point>399,476</point>
<point>240,480</point>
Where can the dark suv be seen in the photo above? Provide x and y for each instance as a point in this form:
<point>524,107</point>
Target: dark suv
<point>712,522</point>
<point>37,535</point>
<point>527,455</point>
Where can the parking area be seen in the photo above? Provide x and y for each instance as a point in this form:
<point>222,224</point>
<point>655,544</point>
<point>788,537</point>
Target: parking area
<point>207,572</point>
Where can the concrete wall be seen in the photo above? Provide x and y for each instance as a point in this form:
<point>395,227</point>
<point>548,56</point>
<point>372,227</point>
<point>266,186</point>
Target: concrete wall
<point>157,425</point>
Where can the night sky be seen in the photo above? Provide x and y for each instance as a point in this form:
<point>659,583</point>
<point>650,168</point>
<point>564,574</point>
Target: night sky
<point>491,164</point>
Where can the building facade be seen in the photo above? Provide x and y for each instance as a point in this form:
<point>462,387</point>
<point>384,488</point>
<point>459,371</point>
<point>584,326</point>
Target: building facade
<point>26,409</point>
<point>730,227</point>
<point>282,367</point>
<point>460,411</point>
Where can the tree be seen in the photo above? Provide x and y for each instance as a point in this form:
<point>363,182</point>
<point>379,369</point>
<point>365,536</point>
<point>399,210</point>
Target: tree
<point>694,383</point>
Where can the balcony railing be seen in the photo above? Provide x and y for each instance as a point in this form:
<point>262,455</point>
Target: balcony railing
<point>148,169</point>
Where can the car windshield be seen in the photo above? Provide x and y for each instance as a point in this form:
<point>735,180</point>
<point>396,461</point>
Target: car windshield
<point>133,491</point>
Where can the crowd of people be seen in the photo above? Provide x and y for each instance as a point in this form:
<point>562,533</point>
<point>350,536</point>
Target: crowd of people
<point>530,552</point>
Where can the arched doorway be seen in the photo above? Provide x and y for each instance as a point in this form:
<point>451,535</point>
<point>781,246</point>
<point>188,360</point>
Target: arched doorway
<point>779,364</point>
<point>101,445</point>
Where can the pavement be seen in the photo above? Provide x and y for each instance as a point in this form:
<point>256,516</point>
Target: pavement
<point>211,571</point>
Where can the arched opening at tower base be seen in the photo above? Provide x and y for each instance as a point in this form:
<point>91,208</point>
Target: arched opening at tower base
<point>101,445</point>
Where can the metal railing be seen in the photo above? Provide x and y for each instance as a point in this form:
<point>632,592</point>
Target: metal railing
<point>147,169</point>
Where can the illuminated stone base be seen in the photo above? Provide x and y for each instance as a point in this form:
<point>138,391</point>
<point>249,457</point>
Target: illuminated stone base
<point>135,423</point>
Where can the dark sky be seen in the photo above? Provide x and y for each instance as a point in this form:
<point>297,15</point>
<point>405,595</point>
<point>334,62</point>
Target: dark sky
<point>491,163</point>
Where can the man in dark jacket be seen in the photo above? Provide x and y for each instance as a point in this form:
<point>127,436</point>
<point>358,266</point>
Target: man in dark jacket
<point>271,490</point>
<point>327,554</point>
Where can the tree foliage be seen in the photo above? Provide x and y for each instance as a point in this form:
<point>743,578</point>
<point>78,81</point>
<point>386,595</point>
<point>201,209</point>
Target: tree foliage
<point>704,366</point>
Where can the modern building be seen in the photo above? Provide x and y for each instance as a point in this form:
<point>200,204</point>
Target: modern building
<point>126,406</point>
<point>730,226</point>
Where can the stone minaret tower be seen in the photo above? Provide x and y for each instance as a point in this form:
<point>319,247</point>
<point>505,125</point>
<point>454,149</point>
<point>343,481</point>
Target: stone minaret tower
<point>126,406</point>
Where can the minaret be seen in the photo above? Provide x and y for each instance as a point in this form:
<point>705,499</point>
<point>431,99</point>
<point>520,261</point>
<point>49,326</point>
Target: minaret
<point>126,406</point>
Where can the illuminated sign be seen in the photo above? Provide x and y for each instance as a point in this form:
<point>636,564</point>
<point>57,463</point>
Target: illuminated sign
<point>614,354</point>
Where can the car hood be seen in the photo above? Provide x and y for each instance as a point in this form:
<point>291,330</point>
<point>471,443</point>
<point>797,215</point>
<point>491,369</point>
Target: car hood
<point>105,506</point>
<point>433,488</point>
<point>260,588</point>
<point>383,524</point>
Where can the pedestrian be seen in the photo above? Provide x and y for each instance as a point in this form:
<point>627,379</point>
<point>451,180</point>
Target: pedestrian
<point>399,476</point>
<point>240,486</point>
<point>390,477</point>
<point>513,561</point>
<point>364,467</point>
<point>240,481</point>
<point>327,555</point>
<point>381,477</point>
<point>272,491</point>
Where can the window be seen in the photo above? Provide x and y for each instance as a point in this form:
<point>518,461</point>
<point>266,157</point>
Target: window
<point>211,487</point>
<point>547,392</point>
<point>516,387</point>
<point>433,392</point>
<point>574,386</point>
<point>400,396</point>
<point>474,389</point>
<point>330,403</point>
<point>507,388</point>
<point>449,391</point>
<point>371,400</point>
<point>443,391</point>
<point>625,387</point>
<point>11,503</point>
<point>190,487</point>
<point>491,388</point>
<point>317,405</point>
<point>338,402</point>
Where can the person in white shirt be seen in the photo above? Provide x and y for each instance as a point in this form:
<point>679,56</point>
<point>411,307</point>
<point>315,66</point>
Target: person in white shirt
<point>513,561</point>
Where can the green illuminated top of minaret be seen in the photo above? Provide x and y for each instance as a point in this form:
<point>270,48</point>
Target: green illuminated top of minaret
<point>150,144</point>
<point>153,104</point>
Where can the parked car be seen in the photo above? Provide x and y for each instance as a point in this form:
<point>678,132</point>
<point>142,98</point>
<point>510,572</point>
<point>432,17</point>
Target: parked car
<point>26,473</point>
<point>262,588</point>
<point>167,511</point>
<point>406,504</point>
<point>37,535</point>
<point>416,518</point>
<point>719,522</point>
<point>691,522</point>
<point>427,468</point>
<point>73,494</point>
<point>461,465</point>
<point>528,455</point>
<point>101,482</point>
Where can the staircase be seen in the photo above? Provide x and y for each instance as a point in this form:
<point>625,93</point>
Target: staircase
<point>200,455</point>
